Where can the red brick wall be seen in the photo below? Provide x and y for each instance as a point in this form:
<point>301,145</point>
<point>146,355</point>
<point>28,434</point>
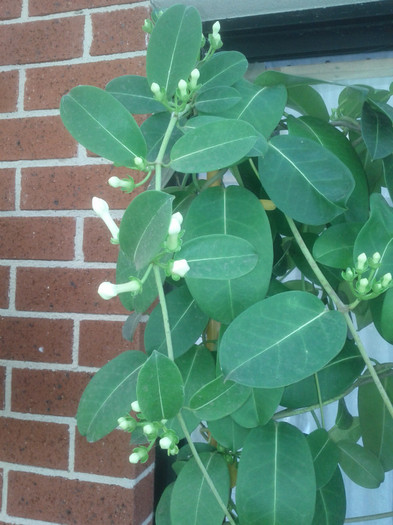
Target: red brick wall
<point>55,331</point>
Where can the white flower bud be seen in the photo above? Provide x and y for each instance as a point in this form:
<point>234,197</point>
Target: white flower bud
<point>109,290</point>
<point>155,88</point>
<point>115,182</point>
<point>376,258</point>
<point>216,28</point>
<point>194,77</point>
<point>148,429</point>
<point>175,224</point>
<point>134,458</point>
<point>182,85</point>
<point>123,423</point>
<point>362,285</point>
<point>386,280</point>
<point>165,443</point>
<point>125,184</point>
<point>180,268</point>
<point>135,406</point>
<point>361,262</point>
<point>138,162</point>
<point>102,210</point>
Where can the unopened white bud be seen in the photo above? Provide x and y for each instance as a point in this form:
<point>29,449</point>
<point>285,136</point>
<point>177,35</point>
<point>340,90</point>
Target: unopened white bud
<point>102,210</point>
<point>182,85</point>
<point>134,458</point>
<point>165,443</point>
<point>138,161</point>
<point>376,258</point>
<point>175,224</point>
<point>148,429</point>
<point>216,28</point>
<point>386,280</point>
<point>362,285</point>
<point>180,268</point>
<point>135,406</point>
<point>115,182</point>
<point>109,290</point>
<point>361,262</point>
<point>194,77</point>
<point>155,88</point>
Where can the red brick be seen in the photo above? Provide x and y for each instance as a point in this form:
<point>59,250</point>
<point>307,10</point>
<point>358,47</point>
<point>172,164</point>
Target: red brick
<point>10,9</point>
<point>9,82</point>
<point>45,86</point>
<point>44,7</point>
<point>70,502</point>
<point>45,238</point>
<point>47,392</point>
<point>118,31</point>
<point>73,187</point>
<point>35,138</point>
<point>7,189</point>
<point>64,290</point>
<point>101,341</point>
<point>34,443</point>
<point>96,242</point>
<point>4,286</point>
<point>37,340</point>
<point>42,41</point>
<point>2,387</point>
<point>108,456</point>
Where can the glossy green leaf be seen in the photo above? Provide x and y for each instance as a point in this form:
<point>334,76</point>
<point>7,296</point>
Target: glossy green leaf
<point>344,418</point>
<point>305,180</point>
<point>377,234</point>
<point>192,499</point>
<point>162,514</point>
<point>134,93</point>
<point>274,78</point>
<point>352,433</point>
<point>228,433</point>
<point>173,47</point>
<point>307,101</point>
<point>260,354</point>
<point>102,124</point>
<point>232,211</point>
<point>197,367</point>
<point>325,456</point>
<point>186,321</point>
<point>376,422</point>
<point>108,395</point>
<point>130,326</point>
<point>330,505</point>
<point>360,465</point>
<point>262,107</point>
<point>213,146</point>
<point>351,100</point>
<point>334,378</point>
<point>377,132</point>
<point>218,256</point>
<point>334,247</point>
<point>218,399</point>
<point>337,143</point>
<point>259,407</point>
<point>276,480</point>
<point>145,225</point>
<point>217,99</point>
<point>159,388</point>
<point>223,69</point>
<point>382,313</point>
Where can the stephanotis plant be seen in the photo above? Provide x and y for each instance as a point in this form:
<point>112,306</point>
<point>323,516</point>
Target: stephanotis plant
<point>238,343</point>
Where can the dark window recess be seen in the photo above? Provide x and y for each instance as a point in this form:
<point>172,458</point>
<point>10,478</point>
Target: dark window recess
<point>361,27</point>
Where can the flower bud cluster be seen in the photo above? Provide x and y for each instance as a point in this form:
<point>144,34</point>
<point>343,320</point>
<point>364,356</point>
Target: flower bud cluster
<point>366,287</point>
<point>152,430</point>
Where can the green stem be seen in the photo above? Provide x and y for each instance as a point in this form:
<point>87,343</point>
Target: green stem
<point>205,473</point>
<point>161,152</point>
<point>320,400</point>
<point>370,517</point>
<point>164,311</point>
<point>344,310</point>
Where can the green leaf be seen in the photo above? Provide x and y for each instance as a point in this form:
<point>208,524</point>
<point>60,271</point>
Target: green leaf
<point>217,99</point>
<point>218,256</point>
<point>276,480</point>
<point>231,211</point>
<point>162,513</point>
<point>330,506</point>
<point>135,94</point>
<point>218,399</point>
<point>261,355</point>
<point>186,322</point>
<point>259,407</point>
<point>344,418</point>
<point>130,326</point>
<point>382,313</point>
<point>337,143</point>
<point>325,456</point>
<point>377,234</point>
<point>307,101</point>
<point>305,180</point>
<point>213,146</point>
<point>352,433</point>
<point>351,100</point>
<point>387,164</point>
<point>360,465</point>
<point>333,380</point>
<point>192,498</point>
<point>223,69</point>
<point>153,129</point>
<point>173,47</point>
<point>108,395</point>
<point>376,422</point>
<point>159,388</point>
<point>102,124</point>
<point>228,433</point>
<point>273,78</point>
<point>334,247</point>
<point>145,225</point>
<point>377,132</point>
<point>262,107</point>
